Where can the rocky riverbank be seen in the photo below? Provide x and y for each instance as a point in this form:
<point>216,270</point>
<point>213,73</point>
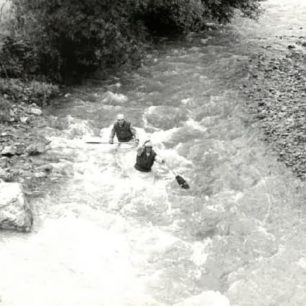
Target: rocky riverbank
<point>23,149</point>
<point>23,165</point>
<point>276,95</point>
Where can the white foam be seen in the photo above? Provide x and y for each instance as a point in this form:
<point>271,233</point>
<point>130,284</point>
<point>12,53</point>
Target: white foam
<point>72,261</point>
<point>207,298</point>
<point>163,136</point>
<point>302,263</point>
<point>195,125</point>
<point>187,101</point>
<point>78,127</point>
<point>111,98</point>
<point>200,252</point>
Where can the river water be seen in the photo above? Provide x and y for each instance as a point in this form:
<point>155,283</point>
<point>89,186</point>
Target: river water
<point>110,236</point>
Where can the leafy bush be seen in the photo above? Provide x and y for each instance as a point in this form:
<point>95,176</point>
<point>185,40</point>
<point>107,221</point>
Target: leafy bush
<point>17,59</point>
<point>177,16</point>
<point>174,16</point>
<point>79,36</point>
<point>223,11</point>
<point>29,92</point>
<point>60,39</point>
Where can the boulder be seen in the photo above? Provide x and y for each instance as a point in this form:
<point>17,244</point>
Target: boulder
<point>36,148</point>
<point>20,148</point>
<point>6,175</point>
<point>2,173</point>
<point>15,213</point>
<point>24,120</point>
<point>9,151</point>
<point>35,111</point>
<point>40,174</point>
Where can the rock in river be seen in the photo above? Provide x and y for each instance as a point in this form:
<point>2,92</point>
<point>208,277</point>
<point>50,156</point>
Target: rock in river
<point>15,213</point>
<point>36,111</point>
<point>36,148</point>
<point>9,151</point>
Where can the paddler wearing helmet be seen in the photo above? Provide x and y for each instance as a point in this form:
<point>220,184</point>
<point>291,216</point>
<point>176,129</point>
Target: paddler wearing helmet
<point>146,157</point>
<point>123,131</point>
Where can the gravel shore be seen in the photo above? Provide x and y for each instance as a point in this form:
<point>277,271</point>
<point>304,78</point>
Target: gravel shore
<point>276,95</point>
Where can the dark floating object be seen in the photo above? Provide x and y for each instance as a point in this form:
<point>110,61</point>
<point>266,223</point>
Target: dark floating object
<point>182,182</point>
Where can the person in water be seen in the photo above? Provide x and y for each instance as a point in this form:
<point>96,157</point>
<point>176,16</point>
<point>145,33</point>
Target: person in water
<point>146,157</point>
<point>123,130</point>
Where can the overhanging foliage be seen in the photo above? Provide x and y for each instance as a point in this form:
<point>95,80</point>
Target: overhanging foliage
<point>66,37</point>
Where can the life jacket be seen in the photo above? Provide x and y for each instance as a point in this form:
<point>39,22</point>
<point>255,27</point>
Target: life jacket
<point>144,163</point>
<point>123,133</point>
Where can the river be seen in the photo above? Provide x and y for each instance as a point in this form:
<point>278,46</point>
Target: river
<point>109,236</point>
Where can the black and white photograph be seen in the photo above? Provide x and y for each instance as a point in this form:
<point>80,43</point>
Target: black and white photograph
<point>152,152</point>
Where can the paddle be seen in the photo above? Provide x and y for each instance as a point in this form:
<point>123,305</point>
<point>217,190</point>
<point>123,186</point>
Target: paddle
<point>97,141</point>
<point>180,180</point>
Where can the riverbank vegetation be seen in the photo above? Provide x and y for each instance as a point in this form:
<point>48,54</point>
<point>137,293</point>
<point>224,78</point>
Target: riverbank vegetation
<point>60,40</point>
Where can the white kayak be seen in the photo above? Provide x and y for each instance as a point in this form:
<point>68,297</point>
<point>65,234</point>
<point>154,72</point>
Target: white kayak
<point>99,140</point>
<point>96,140</point>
